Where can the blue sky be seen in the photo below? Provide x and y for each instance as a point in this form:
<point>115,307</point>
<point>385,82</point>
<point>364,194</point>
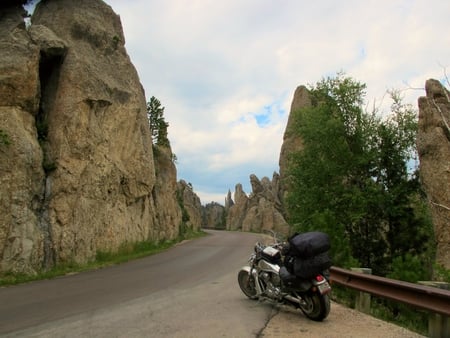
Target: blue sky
<point>226,71</point>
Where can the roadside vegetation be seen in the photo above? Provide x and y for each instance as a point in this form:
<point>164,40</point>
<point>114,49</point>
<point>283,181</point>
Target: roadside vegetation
<point>357,179</point>
<point>4,138</point>
<point>157,123</point>
<point>126,252</point>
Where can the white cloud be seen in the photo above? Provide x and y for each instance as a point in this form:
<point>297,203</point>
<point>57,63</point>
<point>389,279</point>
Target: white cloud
<point>226,71</point>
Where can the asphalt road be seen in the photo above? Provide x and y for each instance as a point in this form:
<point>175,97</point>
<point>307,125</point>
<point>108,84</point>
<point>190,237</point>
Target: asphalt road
<point>189,290</point>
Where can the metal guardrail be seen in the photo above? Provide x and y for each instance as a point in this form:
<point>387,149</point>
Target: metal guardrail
<point>420,296</point>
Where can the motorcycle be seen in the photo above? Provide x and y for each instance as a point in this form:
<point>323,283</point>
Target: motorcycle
<point>293,273</point>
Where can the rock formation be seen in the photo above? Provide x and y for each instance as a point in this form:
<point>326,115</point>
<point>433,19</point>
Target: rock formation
<point>167,207</point>
<point>264,208</point>
<point>214,216</point>
<point>21,158</point>
<point>433,144</point>
<point>259,211</point>
<point>228,200</point>
<point>291,141</point>
<point>238,210</point>
<point>191,204</point>
<point>78,173</point>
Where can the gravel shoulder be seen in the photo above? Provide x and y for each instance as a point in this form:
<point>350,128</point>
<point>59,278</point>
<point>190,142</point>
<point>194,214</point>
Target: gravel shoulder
<point>341,322</point>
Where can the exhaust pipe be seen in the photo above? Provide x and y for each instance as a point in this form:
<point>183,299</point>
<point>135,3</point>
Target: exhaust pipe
<point>293,299</point>
<point>296,300</point>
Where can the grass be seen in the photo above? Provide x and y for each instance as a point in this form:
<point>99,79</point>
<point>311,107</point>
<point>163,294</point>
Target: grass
<point>126,252</point>
<point>400,314</point>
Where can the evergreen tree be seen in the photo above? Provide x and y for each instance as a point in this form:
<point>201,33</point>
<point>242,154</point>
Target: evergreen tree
<point>158,126</point>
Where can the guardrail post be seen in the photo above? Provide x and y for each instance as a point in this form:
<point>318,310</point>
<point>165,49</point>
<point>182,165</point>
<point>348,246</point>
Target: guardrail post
<point>438,325</point>
<point>362,302</point>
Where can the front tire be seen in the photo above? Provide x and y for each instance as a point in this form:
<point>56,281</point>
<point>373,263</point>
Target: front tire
<point>247,284</point>
<point>317,306</point>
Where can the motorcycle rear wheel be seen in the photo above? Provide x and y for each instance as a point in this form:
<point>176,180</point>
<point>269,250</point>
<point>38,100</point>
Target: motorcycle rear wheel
<point>247,284</point>
<point>317,306</point>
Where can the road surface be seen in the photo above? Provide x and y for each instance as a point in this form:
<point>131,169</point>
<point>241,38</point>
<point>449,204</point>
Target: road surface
<point>189,290</point>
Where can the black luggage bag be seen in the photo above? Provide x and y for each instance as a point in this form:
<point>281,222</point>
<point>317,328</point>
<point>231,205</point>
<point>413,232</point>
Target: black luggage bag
<point>310,267</point>
<point>309,244</point>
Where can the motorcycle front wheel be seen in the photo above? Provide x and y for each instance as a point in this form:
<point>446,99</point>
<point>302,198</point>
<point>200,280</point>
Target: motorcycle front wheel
<point>247,284</point>
<point>317,306</point>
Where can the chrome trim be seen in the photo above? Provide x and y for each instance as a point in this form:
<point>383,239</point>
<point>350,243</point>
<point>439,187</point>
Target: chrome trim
<point>266,266</point>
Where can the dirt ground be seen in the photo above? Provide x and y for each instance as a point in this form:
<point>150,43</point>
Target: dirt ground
<point>341,322</point>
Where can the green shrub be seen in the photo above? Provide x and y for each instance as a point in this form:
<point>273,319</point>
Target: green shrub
<point>4,138</point>
<point>441,274</point>
<point>408,268</point>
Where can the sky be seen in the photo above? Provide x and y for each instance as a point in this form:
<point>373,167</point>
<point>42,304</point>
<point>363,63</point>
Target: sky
<point>226,71</point>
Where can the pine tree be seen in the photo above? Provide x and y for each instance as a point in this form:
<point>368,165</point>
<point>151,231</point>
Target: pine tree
<point>158,126</point>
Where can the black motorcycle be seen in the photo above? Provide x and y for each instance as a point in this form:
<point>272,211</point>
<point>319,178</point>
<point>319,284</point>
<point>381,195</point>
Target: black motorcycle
<point>293,273</point>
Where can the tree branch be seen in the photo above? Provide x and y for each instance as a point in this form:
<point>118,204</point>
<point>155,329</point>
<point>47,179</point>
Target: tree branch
<point>440,205</point>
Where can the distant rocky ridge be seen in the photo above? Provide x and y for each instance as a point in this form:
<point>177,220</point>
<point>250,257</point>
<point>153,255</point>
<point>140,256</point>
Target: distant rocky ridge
<point>433,145</point>
<point>263,208</point>
<point>78,170</point>
<point>259,211</point>
<point>214,216</point>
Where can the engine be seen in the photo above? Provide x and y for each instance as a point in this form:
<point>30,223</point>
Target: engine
<point>272,284</point>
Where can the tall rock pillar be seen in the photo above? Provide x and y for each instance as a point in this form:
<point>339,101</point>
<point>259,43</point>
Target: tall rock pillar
<point>97,146</point>
<point>292,142</point>
<point>433,144</point>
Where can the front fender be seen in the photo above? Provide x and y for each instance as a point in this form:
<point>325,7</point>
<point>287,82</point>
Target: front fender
<point>245,268</point>
<point>254,273</point>
<point>249,270</point>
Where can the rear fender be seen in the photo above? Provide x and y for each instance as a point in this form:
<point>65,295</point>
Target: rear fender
<point>317,280</point>
<point>321,283</point>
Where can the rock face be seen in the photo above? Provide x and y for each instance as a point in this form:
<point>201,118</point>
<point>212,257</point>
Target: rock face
<point>291,141</point>
<point>21,172</point>
<point>191,204</point>
<point>433,144</point>
<point>259,211</point>
<point>214,216</point>
<point>167,208</point>
<point>78,173</point>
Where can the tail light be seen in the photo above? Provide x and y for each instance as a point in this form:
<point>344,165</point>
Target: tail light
<point>319,278</point>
